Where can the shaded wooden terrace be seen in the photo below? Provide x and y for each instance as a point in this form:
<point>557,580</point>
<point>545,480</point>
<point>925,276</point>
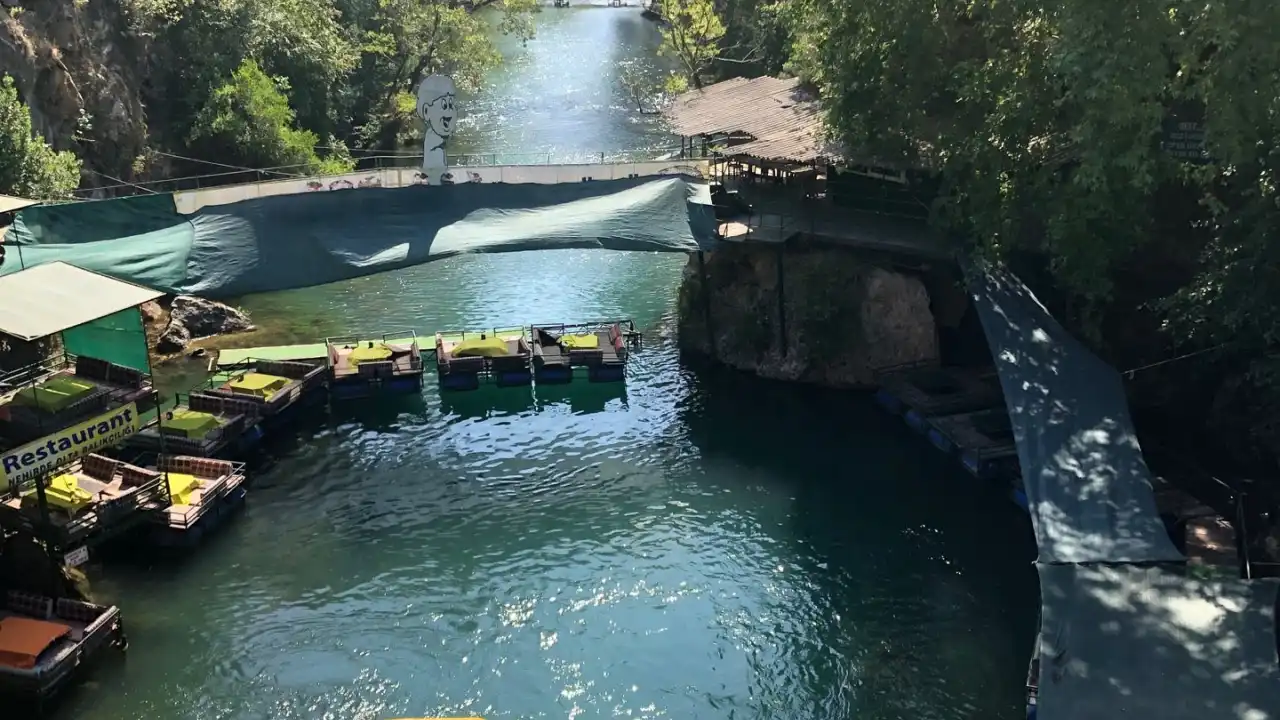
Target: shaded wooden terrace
<point>766,141</point>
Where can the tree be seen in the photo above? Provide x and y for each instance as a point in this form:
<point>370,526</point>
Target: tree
<point>691,36</point>
<point>403,41</point>
<point>249,119</point>
<point>28,166</point>
<point>1047,125</point>
<point>642,85</point>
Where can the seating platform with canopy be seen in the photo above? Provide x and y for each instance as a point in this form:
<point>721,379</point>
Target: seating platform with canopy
<point>82,397</point>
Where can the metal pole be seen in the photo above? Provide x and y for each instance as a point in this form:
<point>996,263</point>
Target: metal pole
<point>706,304</point>
<point>782,297</point>
<point>155,399</point>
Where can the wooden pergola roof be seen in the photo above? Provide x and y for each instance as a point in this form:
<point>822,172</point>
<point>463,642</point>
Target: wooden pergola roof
<point>784,122</point>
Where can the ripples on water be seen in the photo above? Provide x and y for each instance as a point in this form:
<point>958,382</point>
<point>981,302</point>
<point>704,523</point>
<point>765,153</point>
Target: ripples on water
<point>560,93</point>
<point>694,545</point>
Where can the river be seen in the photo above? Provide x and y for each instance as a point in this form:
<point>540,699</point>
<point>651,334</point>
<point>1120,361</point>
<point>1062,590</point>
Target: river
<point>698,544</point>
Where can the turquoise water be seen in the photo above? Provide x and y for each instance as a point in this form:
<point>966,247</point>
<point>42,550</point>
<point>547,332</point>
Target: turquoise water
<point>559,96</point>
<point>695,544</point>
<point>698,544</point>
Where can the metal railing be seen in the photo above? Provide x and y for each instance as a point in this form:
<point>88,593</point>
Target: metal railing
<point>104,516</point>
<point>218,489</point>
<point>367,162</point>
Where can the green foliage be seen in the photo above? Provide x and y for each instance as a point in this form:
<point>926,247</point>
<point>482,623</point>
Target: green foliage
<point>403,41</point>
<point>691,36</point>
<point>757,38</point>
<point>350,64</point>
<point>644,85</point>
<point>249,117</point>
<point>1045,122</point>
<point>28,166</point>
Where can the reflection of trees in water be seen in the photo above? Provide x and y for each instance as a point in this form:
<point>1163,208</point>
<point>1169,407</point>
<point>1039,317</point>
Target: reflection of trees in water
<point>908,602</point>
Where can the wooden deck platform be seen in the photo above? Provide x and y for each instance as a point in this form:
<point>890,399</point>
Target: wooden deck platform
<point>925,393</point>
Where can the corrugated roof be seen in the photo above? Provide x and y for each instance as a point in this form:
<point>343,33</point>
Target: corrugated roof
<point>9,203</point>
<point>49,298</point>
<point>784,122</point>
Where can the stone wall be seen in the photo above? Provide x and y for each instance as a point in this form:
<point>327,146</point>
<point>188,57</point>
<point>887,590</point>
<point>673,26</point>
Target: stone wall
<point>842,317</point>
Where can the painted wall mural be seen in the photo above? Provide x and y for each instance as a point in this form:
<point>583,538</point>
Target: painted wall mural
<point>437,96</point>
<point>344,184</point>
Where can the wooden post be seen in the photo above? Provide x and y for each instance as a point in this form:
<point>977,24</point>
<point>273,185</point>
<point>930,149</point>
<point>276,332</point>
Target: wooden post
<point>706,304</point>
<point>782,300</point>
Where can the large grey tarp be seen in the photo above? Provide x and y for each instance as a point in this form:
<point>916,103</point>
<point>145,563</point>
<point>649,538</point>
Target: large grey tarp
<point>1144,642</point>
<point>290,241</point>
<point>1088,486</point>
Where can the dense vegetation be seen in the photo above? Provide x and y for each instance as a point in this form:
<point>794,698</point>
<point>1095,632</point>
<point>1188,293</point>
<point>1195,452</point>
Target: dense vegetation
<point>1046,123</point>
<point>28,166</point>
<point>254,83</point>
<point>1050,127</point>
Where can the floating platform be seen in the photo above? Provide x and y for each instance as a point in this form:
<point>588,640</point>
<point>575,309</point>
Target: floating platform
<point>983,440</point>
<point>920,393</point>
<point>203,494</point>
<point>550,354</point>
<point>360,367</point>
<point>499,355</point>
<point>89,500</point>
<point>202,425</point>
<point>962,413</point>
<point>601,348</point>
<point>46,641</point>
<point>56,394</point>
<point>270,392</point>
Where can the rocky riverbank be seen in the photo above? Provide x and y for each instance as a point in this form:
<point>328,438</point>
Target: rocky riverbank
<point>173,324</point>
<point>808,314</point>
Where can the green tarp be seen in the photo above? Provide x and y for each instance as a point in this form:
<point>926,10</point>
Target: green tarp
<point>289,241</point>
<point>117,338</point>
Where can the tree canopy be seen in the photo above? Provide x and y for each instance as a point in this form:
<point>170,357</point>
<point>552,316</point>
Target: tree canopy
<point>28,166</point>
<point>292,82</point>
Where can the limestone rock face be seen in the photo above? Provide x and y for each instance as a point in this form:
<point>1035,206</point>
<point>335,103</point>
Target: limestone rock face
<point>194,317</point>
<point>174,339</point>
<point>840,320</point>
<point>81,73</point>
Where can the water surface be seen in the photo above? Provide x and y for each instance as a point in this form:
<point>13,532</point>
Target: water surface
<point>694,544</point>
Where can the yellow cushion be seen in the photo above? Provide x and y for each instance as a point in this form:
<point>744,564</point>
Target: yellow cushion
<point>64,492</point>
<point>259,384</point>
<point>475,347</point>
<point>364,353</point>
<point>181,486</point>
<point>581,342</point>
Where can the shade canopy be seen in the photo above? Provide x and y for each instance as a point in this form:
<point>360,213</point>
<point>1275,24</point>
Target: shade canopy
<point>50,298</point>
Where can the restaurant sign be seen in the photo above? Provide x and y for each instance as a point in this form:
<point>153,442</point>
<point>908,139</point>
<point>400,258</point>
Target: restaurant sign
<point>39,457</point>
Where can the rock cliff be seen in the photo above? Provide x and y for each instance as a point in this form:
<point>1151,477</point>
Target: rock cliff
<point>76,65</point>
<point>842,316</point>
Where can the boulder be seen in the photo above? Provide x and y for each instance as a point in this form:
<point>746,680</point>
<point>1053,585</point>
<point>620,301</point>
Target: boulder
<point>152,313</point>
<point>203,318</point>
<point>193,317</point>
<point>842,318</point>
<point>174,339</point>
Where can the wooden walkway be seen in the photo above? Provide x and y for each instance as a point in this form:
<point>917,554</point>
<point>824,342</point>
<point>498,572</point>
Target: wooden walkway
<point>781,213</point>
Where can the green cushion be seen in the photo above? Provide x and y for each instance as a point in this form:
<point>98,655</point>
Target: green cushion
<point>55,394</point>
<point>191,423</point>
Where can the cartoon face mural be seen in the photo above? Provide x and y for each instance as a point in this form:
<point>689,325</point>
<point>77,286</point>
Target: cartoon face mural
<point>436,97</point>
<point>436,105</point>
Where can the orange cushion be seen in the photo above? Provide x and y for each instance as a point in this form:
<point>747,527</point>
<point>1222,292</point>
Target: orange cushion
<point>23,639</point>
